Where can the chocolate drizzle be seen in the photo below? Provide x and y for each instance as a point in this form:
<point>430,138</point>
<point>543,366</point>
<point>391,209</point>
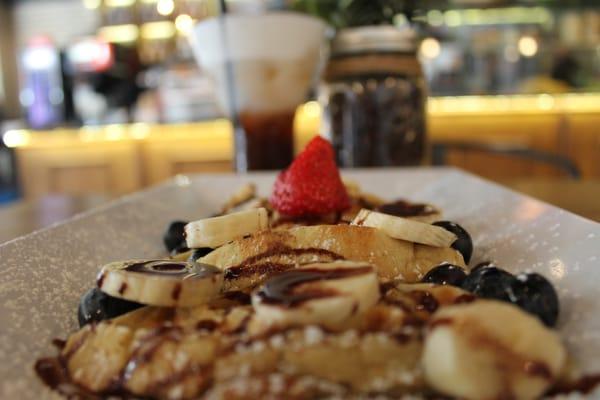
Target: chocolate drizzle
<point>123,288</point>
<point>424,301</point>
<point>176,292</point>
<point>584,385</point>
<point>535,368</point>
<point>238,296</point>
<point>100,279</point>
<point>401,208</point>
<point>280,288</point>
<point>259,264</point>
<point>169,268</point>
<point>159,267</point>
<point>465,298</point>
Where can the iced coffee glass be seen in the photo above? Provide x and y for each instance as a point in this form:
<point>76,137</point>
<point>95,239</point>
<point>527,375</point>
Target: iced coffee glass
<point>263,67</point>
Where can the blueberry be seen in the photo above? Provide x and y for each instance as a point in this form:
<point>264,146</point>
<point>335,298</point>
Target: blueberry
<point>445,274</point>
<point>536,295</point>
<point>491,283</point>
<point>182,248</point>
<point>484,264</point>
<point>199,253</point>
<point>174,237</point>
<point>96,306</point>
<point>463,244</point>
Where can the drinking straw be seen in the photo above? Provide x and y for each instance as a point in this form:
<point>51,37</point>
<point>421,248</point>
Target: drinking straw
<point>239,136</point>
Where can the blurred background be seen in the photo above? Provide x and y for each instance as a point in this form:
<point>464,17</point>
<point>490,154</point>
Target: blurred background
<point>99,98</point>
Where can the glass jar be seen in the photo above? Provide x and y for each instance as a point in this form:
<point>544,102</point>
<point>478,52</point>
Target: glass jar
<point>374,98</point>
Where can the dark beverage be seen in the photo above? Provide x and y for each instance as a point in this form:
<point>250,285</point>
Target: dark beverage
<point>269,139</point>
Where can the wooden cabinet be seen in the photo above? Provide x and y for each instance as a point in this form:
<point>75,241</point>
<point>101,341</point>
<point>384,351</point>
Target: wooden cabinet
<point>534,131</point>
<point>112,167</point>
<point>187,149</point>
<point>583,144</point>
<point>121,159</point>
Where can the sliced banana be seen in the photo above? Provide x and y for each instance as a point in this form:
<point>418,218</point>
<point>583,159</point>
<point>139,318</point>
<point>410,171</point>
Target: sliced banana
<point>490,350</point>
<point>405,229</point>
<point>328,294</point>
<point>166,283</point>
<point>216,231</point>
<point>245,193</point>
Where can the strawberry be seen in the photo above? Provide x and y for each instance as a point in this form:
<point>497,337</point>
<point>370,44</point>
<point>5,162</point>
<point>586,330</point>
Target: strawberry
<point>311,185</point>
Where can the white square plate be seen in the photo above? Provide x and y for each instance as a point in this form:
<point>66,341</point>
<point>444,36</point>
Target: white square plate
<point>42,275</point>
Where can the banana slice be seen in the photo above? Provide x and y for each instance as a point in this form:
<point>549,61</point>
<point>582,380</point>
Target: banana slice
<point>405,229</point>
<point>490,350</point>
<point>245,193</point>
<point>216,231</point>
<point>166,283</point>
<point>329,294</point>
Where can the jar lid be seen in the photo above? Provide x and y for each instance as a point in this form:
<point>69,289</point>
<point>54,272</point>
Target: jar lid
<point>378,38</point>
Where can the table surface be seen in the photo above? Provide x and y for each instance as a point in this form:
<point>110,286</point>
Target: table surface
<point>25,216</point>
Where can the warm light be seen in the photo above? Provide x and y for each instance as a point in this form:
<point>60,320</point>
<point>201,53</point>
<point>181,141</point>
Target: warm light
<point>139,130</point>
<point>184,24</point>
<point>114,132</point>
<point>430,48</point>
<point>158,30</point>
<point>15,138</point>
<point>312,109</point>
<point>528,46</point>
<point>452,18</point>
<point>435,18</point>
<point>165,7</point>
<point>545,101</point>
<point>118,3</point>
<point>92,4</point>
<point>119,33</point>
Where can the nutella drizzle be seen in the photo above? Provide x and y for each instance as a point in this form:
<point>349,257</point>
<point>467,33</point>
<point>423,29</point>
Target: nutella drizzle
<point>169,268</point>
<point>206,325</point>
<point>176,292</point>
<point>123,288</point>
<point>535,368</point>
<point>100,279</point>
<point>584,385</point>
<point>401,208</point>
<point>280,288</point>
<point>281,250</point>
<point>424,301</point>
<point>238,296</point>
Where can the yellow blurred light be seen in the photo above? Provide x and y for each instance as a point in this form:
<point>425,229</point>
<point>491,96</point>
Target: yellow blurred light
<point>452,18</point>
<point>312,109</point>
<point>165,7</point>
<point>528,46</point>
<point>118,3</point>
<point>119,33</point>
<point>435,18</point>
<point>157,30</point>
<point>545,101</point>
<point>184,23</point>
<point>140,130</point>
<point>430,48</point>
<point>114,132</point>
<point>92,4</point>
<point>15,138</point>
